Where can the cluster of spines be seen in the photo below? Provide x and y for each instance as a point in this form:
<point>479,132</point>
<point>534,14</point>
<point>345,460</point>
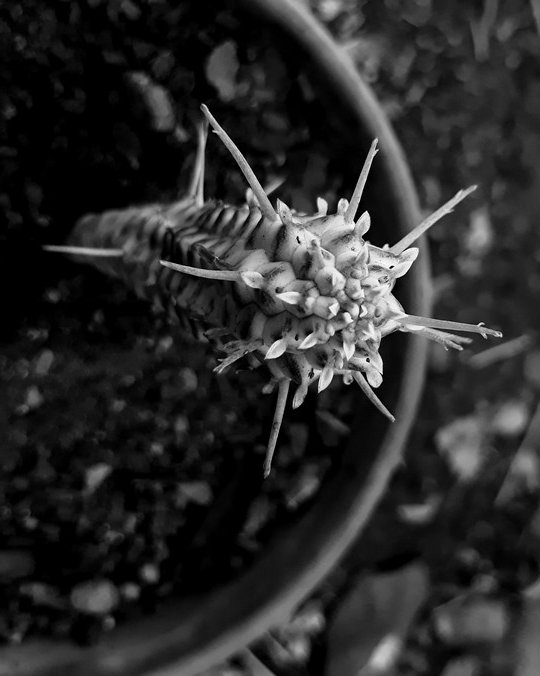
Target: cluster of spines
<point>323,293</point>
<point>312,297</point>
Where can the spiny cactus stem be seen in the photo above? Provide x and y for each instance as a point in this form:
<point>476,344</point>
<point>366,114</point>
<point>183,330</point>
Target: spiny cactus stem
<point>413,320</point>
<point>361,183</point>
<point>258,191</point>
<point>425,225</point>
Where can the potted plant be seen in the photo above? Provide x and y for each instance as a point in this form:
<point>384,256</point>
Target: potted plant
<point>190,634</point>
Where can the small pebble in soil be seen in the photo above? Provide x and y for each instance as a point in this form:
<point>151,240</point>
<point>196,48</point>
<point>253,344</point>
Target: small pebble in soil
<point>463,444</point>
<point>188,381</point>
<point>471,620</point>
<point>95,475</point>
<point>130,591</point>
<point>149,573</point>
<point>198,492</point>
<point>33,400</point>
<point>43,594</point>
<point>44,363</point>
<point>15,564</point>
<point>156,99</point>
<point>222,69</point>
<point>94,597</point>
<point>511,418</point>
<point>260,511</point>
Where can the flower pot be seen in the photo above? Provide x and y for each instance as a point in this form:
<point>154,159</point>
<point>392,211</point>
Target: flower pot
<point>187,636</point>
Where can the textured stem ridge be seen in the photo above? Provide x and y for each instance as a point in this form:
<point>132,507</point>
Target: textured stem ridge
<point>311,299</point>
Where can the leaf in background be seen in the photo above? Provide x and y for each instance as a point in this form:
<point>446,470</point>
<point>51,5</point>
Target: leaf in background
<point>372,620</point>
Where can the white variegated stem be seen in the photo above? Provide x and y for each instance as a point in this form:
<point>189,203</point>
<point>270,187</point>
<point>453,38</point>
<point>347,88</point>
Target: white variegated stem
<point>413,321</point>
<point>283,391</point>
<point>370,394</point>
<point>203,136</point>
<point>360,184</point>
<point>249,278</point>
<point>436,216</point>
<point>258,191</point>
<point>236,354</point>
<point>445,339</point>
<point>84,251</point>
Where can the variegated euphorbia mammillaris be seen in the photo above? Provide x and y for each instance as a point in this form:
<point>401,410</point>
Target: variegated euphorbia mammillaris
<point>307,295</point>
